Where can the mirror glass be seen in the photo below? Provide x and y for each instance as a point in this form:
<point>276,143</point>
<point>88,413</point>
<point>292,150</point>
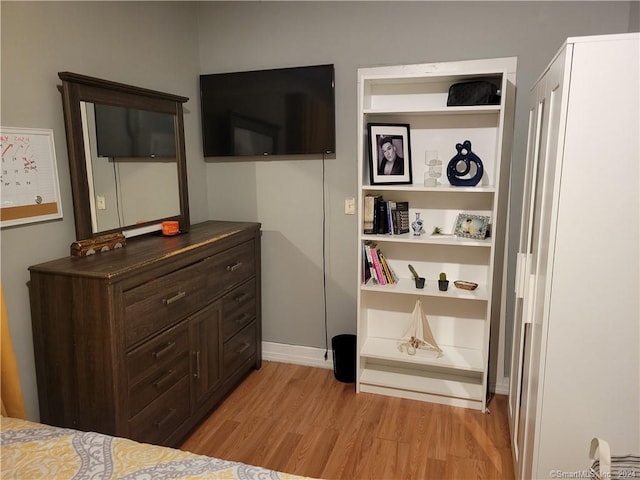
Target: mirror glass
<point>128,183</point>
<point>126,157</point>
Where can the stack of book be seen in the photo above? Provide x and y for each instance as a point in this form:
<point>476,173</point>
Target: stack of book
<point>375,266</point>
<point>384,216</point>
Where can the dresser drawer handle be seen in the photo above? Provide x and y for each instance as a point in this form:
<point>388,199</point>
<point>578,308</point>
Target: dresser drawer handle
<point>240,298</point>
<point>164,350</point>
<point>175,298</point>
<point>243,319</point>
<point>243,348</point>
<point>167,417</point>
<point>234,267</point>
<point>158,384</point>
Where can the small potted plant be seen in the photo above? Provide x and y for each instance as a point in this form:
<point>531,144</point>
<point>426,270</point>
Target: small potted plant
<point>443,283</point>
<point>417,278</point>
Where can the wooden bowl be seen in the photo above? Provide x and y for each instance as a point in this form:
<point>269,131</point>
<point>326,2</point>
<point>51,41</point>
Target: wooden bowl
<point>465,285</point>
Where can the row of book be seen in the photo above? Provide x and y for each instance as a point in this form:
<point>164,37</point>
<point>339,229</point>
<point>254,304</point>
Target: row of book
<point>375,266</point>
<point>385,217</point>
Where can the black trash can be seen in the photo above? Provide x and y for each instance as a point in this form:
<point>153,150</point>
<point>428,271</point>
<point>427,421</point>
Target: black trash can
<point>344,357</point>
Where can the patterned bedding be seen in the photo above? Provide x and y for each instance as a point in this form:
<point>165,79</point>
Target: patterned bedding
<point>35,451</point>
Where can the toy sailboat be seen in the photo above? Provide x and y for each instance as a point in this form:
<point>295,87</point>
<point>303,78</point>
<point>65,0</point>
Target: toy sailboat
<point>419,334</point>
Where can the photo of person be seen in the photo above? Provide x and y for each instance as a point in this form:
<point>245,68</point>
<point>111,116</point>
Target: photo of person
<point>472,226</point>
<point>390,158</point>
<point>389,153</point>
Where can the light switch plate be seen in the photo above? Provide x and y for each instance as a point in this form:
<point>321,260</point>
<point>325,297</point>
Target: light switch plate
<point>350,206</point>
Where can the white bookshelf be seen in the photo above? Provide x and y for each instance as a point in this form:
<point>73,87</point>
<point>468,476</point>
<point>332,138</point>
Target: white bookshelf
<point>460,319</point>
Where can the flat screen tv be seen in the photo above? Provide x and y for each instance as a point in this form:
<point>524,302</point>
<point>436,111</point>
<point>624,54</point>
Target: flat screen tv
<point>128,132</point>
<point>286,111</point>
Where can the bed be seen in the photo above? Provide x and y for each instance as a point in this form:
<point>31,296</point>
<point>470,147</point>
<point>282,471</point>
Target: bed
<point>31,450</point>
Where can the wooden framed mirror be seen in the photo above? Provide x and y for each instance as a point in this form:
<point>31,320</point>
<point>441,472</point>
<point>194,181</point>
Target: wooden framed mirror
<point>126,156</point>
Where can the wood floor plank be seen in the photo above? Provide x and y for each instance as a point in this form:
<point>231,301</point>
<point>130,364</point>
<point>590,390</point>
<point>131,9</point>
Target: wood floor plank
<point>280,454</point>
<point>312,452</point>
<point>301,420</point>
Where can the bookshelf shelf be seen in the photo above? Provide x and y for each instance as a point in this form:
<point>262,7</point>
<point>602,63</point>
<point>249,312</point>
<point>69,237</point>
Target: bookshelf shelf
<point>465,359</point>
<point>428,239</point>
<point>417,385</point>
<point>460,319</point>
<point>420,188</point>
<point>406,286</point>
<point>416,110</point>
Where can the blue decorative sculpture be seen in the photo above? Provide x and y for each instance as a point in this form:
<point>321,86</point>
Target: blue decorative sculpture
<point>460,166</point>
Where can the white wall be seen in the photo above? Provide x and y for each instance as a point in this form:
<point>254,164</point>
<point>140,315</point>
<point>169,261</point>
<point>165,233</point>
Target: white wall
<point>165,45</point>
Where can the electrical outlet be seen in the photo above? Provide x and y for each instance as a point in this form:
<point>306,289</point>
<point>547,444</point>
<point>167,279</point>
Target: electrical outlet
<point>101,203</point>
<point>350,206</point>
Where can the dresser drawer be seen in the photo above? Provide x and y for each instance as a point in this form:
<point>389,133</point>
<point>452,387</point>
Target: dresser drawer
<point>158,354</point>
<point>238,349</point>
<point>231,267</point>
<point>238,309</point>
<point>163,416</point>
<point>160,302</point>
<point>155,385</point>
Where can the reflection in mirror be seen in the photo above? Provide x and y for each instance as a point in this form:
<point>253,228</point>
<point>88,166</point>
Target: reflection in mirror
<point>126,156</point>
<point>137,186</point>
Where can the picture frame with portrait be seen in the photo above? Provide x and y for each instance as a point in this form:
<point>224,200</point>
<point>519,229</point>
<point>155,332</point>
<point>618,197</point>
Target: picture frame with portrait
<point>389,154</point>
<point>472,226</point>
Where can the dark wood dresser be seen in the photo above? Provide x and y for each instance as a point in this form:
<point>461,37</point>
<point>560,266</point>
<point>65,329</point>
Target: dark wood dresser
<point>143,341</point>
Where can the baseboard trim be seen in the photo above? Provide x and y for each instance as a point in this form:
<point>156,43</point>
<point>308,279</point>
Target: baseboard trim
<point>501,388</point>
<point>314,357</point>
<point>297,355</point>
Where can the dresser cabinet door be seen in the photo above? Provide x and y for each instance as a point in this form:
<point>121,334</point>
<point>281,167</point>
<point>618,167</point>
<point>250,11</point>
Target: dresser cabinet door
<point>205,344</point>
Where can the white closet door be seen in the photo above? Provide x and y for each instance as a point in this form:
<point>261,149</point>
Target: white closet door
<point>543,165</point>
<point>592,364</point>
<point>543,245</point>
<point>575,357</point>
<point>523,268</point>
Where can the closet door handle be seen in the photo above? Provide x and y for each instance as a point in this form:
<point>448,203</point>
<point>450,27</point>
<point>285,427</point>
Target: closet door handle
<point>529,302</point>
<point>523,261</point>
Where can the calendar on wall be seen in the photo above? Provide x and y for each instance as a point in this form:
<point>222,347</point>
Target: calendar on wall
<point>30,191</point>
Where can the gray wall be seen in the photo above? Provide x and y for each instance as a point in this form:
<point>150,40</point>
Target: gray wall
<point>285,195</point>
<point>149,45</point>
<point>165,45</point>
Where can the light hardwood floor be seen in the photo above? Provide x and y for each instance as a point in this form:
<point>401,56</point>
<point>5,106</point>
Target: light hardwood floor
<point>301,420</point>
